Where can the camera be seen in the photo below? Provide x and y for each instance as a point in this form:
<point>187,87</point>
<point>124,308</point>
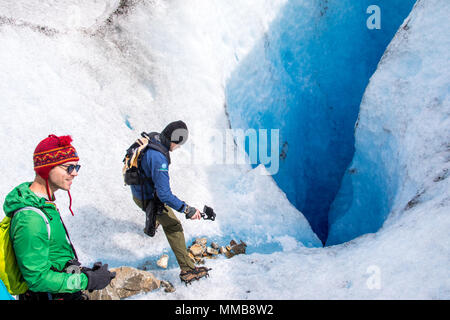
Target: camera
<point>208,213</point>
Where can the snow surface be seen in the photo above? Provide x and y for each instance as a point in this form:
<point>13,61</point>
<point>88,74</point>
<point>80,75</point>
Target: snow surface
<point>109,77</point>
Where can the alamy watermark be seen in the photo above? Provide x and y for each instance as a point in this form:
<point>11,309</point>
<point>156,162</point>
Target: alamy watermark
<point>374,20</point>
<point>233,147</point>
<point>74,280</point>
<point>373,282</point>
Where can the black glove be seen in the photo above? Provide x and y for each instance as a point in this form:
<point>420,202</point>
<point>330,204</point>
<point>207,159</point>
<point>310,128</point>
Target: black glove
<point>189,211</point>
<point>96,266</point>
<point>99,278</point>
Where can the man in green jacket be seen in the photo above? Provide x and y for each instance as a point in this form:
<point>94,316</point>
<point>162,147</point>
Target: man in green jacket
<point>44,252</point>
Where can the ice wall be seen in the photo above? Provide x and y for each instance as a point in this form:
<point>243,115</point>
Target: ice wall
<point>306,77</point>
<point>402,135</point>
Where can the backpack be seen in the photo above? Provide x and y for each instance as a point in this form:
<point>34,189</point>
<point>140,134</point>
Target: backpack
<point>132,173</point>
<point>10,273</point>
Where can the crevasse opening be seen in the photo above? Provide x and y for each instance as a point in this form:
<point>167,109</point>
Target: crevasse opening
<point>306,77</point>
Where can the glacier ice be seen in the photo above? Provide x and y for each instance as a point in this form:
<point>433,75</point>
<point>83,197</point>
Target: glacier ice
<point>169,60</point>
<point>397,153</point>
<point>106,86</point>
<point>306,77</point>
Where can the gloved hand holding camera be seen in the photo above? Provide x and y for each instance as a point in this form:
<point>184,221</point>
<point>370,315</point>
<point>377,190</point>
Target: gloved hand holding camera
<point>192,213</point>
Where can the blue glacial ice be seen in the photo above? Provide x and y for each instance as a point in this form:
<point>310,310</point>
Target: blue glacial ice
<point>306,77</point>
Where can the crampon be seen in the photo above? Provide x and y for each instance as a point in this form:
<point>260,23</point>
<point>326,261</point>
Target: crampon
<point>199,272</point>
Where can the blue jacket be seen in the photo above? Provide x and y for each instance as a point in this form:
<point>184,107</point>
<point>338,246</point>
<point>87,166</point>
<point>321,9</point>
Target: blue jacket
<point>156,166</point>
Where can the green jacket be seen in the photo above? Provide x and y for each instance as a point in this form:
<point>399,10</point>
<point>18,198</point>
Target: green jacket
<point>36,254</point>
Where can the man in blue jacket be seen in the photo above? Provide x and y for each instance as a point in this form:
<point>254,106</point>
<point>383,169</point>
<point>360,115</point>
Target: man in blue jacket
<point>157,199</point>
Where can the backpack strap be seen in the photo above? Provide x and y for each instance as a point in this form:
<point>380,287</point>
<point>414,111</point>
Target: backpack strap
<point>159,148</point>
<point>44,216</point>
<point>39,212</point>
<point>156,146</point>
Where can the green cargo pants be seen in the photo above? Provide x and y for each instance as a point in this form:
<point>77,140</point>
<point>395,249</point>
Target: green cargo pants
<point>175,235</point>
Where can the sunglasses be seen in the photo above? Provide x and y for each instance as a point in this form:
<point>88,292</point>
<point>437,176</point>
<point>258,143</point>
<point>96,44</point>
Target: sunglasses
<point>71,167</point>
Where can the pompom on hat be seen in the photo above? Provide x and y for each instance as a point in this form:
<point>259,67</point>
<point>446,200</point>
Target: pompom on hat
<point>49,153</point>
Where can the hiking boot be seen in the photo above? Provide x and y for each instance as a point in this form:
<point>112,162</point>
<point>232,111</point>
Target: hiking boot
<point>195,274</point>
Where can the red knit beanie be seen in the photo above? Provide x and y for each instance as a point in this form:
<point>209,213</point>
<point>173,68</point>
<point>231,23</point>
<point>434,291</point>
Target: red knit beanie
<point>50,152</point>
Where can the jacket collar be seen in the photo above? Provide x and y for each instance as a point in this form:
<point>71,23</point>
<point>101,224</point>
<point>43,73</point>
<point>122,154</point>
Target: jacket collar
<point>161,139</point>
